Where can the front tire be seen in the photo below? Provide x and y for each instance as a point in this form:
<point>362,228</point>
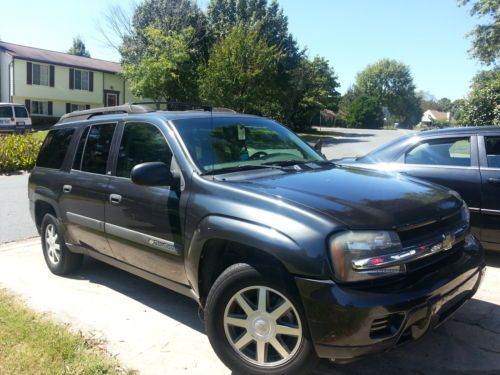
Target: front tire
<point>58,258</point>
<point>256,325</point>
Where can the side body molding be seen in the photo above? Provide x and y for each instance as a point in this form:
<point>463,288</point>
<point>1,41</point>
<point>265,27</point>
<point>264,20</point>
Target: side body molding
<point>264,238</point>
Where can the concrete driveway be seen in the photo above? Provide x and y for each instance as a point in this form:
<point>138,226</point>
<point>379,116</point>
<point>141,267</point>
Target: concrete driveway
<point>157,331</point>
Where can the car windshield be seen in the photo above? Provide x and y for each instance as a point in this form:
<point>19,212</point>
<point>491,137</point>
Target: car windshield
<point>383,153</point>
<point>222,145</point>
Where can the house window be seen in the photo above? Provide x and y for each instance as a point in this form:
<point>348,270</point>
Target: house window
<point>78,107</point>
<point>40,74</point>
<point>81,80</point>
<point>39,108</point>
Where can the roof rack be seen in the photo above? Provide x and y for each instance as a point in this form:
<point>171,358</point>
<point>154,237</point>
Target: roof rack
<point>176,106</point>
<point>130,109</point>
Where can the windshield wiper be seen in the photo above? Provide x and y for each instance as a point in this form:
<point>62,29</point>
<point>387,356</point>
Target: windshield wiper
<point>286,163</point>
<point>241,167</point>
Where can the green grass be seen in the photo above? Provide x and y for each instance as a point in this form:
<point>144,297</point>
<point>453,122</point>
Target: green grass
<point>32,344</point>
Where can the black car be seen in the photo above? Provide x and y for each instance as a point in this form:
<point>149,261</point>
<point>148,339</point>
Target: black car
<point>466,160</point>
<point>291,256</point>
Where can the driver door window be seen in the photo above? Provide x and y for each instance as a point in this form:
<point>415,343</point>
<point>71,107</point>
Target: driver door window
<point>448,152</point>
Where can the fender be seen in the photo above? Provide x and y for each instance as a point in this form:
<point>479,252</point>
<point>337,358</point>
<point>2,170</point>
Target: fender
<point>45,195</point>
<point>266,239</point>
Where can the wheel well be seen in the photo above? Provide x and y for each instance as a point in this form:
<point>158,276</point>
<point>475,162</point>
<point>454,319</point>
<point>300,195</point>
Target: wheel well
<point>42,208</point>
<point>218,255</point>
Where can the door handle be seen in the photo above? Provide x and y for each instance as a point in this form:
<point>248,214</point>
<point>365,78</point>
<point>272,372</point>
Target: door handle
<point>115,198</point>
<point>492,180</point>
<point>67,188</point>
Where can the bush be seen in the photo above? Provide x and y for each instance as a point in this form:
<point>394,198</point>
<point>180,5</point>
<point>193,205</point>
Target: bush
<point>18,152</point>
<point>365,113</point>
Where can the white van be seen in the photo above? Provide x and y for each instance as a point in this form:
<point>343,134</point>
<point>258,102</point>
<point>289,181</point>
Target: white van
<point>14,118</point>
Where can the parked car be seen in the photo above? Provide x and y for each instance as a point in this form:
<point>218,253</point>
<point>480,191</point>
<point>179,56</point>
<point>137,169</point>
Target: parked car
<point>291,256</point>
<point>466,160</point>
<point>14,118</point>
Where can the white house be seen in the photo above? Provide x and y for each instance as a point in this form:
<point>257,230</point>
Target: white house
<point>430,116</point>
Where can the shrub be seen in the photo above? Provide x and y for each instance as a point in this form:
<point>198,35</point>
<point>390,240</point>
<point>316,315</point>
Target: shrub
<point>18,152</point>
<point>365,112</point>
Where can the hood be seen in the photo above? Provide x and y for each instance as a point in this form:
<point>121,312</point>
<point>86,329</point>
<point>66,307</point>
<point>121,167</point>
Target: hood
<point>359,198</point>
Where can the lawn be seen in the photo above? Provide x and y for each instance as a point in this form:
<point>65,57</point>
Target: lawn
<point>30,343</point>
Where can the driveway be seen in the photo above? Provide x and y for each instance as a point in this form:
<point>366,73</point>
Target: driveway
<point>356,142</point>
<point>157,331</point>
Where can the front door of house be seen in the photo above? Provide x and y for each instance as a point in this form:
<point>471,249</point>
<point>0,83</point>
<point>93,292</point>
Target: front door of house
<point>111,99</point>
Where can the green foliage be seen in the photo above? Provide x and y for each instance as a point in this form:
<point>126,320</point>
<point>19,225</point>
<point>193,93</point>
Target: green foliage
<point>391,82</point>
<point>241,73</point>
<point>314,89</point>
<point>485,37</point>
<point>166,71</point>
<point>78,48</point>
<point>365,112</point>
<point>18,152</point>
<point>482,106</point>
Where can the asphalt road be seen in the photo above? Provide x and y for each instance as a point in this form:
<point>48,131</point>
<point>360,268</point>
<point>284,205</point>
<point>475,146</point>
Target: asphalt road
<point>157,331</point>
<point>15,219</point>
<point>356,142</point>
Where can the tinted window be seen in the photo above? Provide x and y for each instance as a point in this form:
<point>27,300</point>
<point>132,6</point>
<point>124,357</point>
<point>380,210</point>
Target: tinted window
<point>141,143</point>
<point>20,111</point>
<point>454,152</point>
<point>493,151</point>
<point>6,111</point>
<point>95,155</point>
<point>54,148</point>
<point>241,142</point>
<point>77,163</point>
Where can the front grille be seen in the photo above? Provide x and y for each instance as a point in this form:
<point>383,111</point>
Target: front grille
<point>420,233</point>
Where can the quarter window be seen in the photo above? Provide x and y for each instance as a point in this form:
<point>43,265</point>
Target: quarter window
<point>493,151</point>
<point>95,155</point>
<point>141,143</point>
<point>77,163</point>
<point>453,152</point>
<point>54,148</point>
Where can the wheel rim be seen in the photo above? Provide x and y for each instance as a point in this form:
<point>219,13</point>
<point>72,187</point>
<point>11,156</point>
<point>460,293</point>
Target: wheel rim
<point>52,244</point>
<point>263,326</point>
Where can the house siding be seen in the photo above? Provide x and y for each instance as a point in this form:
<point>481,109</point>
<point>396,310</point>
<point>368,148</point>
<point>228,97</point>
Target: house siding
<point>5,60</point>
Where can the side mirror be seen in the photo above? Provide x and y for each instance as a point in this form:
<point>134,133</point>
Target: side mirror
<point>318,146</point>
<point>153,174</point>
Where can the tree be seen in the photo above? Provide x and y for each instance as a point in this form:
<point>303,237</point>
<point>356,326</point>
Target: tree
<point>166,71</point>
<point>365,112</point>
<point>390,81</point>
<point>314,89</point>
<point>485,37</point>
<point>170,17</point>
<point>482,105</point>
<point>241,73</point>
<point>78,48</point>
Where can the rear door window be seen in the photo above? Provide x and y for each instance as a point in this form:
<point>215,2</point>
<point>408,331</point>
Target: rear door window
<point>54,148</point>
<point>95,154</point>
<point>20,112</point>
<point>492,151</point>
<point>448,152</point>
<point>6,111</point>
<point>77,163</point>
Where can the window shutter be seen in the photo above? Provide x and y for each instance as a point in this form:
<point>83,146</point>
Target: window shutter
<point>87,106</point>
<point>29,73</point>
<point>91,81</point>
<point>49,108</point>
<point>52,74</point>
<point>71,79</point>
<point>27,104</point>
<point>68,107</point>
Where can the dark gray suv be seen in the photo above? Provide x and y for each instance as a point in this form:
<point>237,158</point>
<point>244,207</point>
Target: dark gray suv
<point>291,256</point>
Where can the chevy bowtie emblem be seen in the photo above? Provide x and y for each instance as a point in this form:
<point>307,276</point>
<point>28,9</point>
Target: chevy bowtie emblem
<point>448,241</point>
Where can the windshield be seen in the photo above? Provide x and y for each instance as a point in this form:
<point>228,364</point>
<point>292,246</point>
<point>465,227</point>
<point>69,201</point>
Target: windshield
<point>241,143</point>
<point>383,153</point>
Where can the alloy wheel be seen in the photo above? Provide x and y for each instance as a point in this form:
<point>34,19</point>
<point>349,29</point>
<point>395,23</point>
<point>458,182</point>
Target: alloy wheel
<point>52,244</point>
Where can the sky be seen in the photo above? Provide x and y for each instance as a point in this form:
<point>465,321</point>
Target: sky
<point>427,35</point>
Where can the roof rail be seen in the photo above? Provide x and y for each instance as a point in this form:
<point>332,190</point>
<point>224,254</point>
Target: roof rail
<point>89,113</point>
<point>176,106</point>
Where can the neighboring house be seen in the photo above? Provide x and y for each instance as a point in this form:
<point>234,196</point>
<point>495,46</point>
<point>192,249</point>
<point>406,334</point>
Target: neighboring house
<point>430,117</point>
<point>51,83</point>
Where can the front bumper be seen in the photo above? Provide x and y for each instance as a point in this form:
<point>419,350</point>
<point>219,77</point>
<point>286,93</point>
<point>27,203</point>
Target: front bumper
<point>347,323</point>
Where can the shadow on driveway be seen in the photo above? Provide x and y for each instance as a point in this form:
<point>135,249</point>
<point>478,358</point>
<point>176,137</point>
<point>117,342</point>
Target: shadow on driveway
<point>467,344</point>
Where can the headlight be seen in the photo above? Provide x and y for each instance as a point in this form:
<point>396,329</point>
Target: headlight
<point>359,255</point>
<point>465,213</point>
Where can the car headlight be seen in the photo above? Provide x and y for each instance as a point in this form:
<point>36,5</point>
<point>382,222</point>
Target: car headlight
<point>361,255</point>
